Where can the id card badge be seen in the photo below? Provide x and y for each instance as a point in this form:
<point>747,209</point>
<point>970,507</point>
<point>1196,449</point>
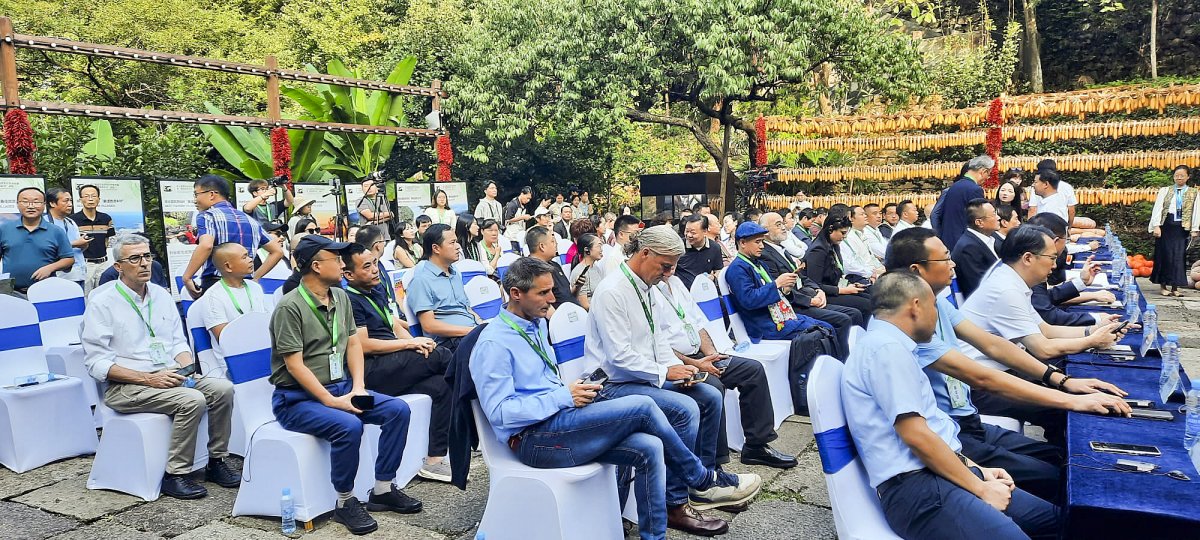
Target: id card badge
<point>335,366</point>
<point>158,353</point>
<point>395,312</point>
<point>693,336</point>
<point>957,391</point>
<point>843,282</point>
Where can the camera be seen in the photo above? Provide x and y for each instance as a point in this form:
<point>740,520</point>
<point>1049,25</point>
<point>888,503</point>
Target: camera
<point>278,181</point>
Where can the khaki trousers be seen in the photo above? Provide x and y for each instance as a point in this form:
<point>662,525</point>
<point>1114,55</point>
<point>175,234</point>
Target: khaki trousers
<point>93,275</point>
<point>187,406</point>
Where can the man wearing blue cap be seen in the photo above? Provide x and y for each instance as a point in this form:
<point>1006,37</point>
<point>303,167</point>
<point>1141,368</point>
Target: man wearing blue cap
<point>767,313</point>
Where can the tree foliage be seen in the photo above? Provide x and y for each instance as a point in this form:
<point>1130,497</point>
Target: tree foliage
<point>966,74</point>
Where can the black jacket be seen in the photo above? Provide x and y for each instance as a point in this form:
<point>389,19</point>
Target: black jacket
<point>463,436</point>
<point>776,263</point>
<point>972,260</point>
<point>561,229</point>
<point>822,260</point>
<point>1043,303</point>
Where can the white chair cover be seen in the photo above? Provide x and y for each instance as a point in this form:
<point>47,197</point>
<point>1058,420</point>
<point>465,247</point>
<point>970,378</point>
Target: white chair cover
<point>505,260</point>
<point>469,269</point>
<point>568,327</point>
<point>774,355</point>
<point>484,295</point>
<point>275,278</point>
<point>133,452</point>
<point>60,306</point>
<point>197,328</point>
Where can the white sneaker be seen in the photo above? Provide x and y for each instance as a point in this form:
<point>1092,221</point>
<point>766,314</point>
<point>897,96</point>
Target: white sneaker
<point>747,487</point>
<point>438,472</point>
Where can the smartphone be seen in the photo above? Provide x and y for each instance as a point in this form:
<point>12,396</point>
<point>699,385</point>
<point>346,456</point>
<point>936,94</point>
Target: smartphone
<point>700,376</point>
<point>187,370</point>
<point>1152,414</point>
<point>1140,403</point>
<point>1122,326</point>
<point>595,377</point>
<point>1127,449</point>
<point>363,403</point>
<point>722,363</point>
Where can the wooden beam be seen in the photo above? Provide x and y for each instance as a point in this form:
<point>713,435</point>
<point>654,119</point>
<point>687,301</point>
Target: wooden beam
<point>8,63</point>
<point>273,109</point>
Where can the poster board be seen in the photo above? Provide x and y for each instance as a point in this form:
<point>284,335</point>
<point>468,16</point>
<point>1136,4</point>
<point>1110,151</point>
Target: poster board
<point>354,193</point>
<point>324,209</point>
<point>179,217</point>
<point>241,193</point>
<point>120,198</point>
<point>456,192</point>
<point>412,199</point>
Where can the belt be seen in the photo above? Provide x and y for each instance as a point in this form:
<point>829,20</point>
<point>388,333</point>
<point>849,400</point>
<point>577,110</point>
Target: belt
<point>896,480</point>
<point>97,260</point>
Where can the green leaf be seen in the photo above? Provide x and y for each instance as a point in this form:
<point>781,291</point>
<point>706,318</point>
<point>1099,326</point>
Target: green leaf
<point>226,145</point>
<point>102,144</point>
<point>254,168</point>
<point>312,103</point>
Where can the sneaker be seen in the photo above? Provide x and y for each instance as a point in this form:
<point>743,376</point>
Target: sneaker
<point>355,517</point>
<point>181,486</point>
<point>393,501</point>
<point>438,472</point>
<point>727,490</point>
<point>221,474</point>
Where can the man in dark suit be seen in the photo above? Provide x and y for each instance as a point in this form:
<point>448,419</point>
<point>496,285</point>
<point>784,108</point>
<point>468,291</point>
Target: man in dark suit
<point>975,252</point>
<point>950,215</point>
<point>1057,290</point>
<point>563,227</point>
<point>891,216</point>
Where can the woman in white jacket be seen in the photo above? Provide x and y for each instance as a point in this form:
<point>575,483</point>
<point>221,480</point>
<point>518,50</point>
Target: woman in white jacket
<point>1174,217</point>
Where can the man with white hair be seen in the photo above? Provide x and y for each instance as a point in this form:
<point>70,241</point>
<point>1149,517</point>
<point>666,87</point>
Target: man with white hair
<point>950,215</point>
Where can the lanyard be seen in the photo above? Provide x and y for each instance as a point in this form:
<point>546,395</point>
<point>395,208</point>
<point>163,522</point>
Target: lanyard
<point>761,273</point>
<point>385,313</point>
<point>267,211</point>
<point>837,258</point>
<point>249,298</point>
<point>535,345</point>
<point>329,327</point>
<point>641,299</point>
<point>678,309</point>
<point>1179,199</point>
<point>149,308</point>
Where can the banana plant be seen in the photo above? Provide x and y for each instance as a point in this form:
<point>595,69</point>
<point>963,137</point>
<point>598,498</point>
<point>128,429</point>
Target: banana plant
<point>249,151</point>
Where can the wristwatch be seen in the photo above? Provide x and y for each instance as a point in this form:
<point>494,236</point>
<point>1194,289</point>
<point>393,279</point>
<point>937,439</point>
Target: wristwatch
<point>1050,369</point>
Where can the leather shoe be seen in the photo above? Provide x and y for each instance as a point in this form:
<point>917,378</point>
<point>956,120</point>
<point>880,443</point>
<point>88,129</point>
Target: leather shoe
<point>181,487</point>
<point>221,474</point>
<point>689,520</point>
<point>765,455</point>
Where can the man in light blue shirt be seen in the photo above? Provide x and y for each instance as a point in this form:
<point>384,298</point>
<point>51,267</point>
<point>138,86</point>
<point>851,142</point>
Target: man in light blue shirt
<point>910,447</point>
<point>436,295</point>
<point>549,424</point>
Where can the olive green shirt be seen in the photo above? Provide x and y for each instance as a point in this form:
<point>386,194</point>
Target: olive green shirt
<point>294,327</point>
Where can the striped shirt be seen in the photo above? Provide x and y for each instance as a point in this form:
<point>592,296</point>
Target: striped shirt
<point>228,224</point>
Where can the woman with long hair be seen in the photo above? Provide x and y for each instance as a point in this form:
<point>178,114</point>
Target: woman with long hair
<point>467,231</point>
<point>1173,218</point>
<point>404,253</point>
<point>440,212</point>
<point>489,251</point>
<point>1009,191</point>
<point>589,250</point>
<point>824,265</point>
<point>729,224</point>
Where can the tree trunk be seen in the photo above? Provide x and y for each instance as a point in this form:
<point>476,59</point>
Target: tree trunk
<point>1033,50</point>
<point>701,135</point>
<point>1153,39</point>
<point>823,79</point>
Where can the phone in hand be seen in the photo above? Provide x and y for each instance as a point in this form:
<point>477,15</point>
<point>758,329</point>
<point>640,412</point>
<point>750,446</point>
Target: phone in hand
<point>363,403</point>
<point>1122,326</point>
<point>595,377</point>
<point>699,376</point>
<point>722,363</point>
<point>187,370</point>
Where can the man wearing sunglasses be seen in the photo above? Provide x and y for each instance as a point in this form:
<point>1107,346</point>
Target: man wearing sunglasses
<point>217,223</point>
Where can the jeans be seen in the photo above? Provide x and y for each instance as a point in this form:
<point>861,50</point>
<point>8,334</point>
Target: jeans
<point>923,505</point>
<point>297,410</point>
<point>627,431</point>
<point>695,414</point>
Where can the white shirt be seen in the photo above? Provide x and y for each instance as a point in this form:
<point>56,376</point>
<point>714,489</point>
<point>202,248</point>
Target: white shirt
<point>250,298</point>
<point>794,246</point>
<point>900,226</point>
<point>114,334</point>
<point>674,327</point>
<point>443,216</point>
<point>864,259</point>
<point>489,209</point>
<point>619,338</point>
<point>1064,189</point>
<point>78,270</point>
<point>613,257</point>
<point>1001,306</point>
<point>875,241</point>
<point>1054,204</point>
<point>987,241</point>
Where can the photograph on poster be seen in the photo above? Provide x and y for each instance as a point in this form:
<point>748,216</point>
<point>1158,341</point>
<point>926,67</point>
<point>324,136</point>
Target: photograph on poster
<point>120,198</point>
<point>9,186</point>
<point>179,226</point>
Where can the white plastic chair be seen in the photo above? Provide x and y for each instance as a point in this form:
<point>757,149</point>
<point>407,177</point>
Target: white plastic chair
<point>469,269</point>
<point>133,452</point>
<point>568,327</point>
<point>1011,424</point>
<point>774,355</point>
<point>60,306</point>
<point>484,295</point>
<point>44,422</point>
<point>526,503</point>
<point>505,260</point>
<point>274,279</point>
<point>856,511</point>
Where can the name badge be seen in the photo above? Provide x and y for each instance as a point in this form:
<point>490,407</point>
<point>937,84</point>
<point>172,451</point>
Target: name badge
<point>843,282</point>
<point>957,391</point>
<point>158,353</point>
<point>693,336</point>
<point>335,366</point>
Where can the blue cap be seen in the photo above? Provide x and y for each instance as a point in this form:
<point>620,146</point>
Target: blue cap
<point>748,229</point>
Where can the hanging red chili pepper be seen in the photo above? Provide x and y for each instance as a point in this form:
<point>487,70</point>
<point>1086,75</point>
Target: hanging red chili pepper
<point>760,135</point>
<point>281,154</point>
<point>445,158</point>
<point>995,139</point>
<point>18,142</point>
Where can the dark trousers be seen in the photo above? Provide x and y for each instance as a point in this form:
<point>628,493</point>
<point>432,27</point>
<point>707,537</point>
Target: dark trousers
<point>1034,465</point>
<point>922,505</point>
<point>754,400</point>
<point>841,317</point>
<point>860,302</point>
<point>409,372</point>
<point>296,410</point>
<point>1054,421</point>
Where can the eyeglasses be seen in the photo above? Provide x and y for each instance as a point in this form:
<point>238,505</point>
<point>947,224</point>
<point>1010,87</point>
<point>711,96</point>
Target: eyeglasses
<point>138,259</point>
<point>923,261</point>
<point>31,204</point>
<point>1051,257</point>
<point>312,231</point>
<point>199,193</point>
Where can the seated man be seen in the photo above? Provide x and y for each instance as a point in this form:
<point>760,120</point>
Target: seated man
<point>623,339</point>
<point>234,295</point>
<point>436,295</point>
<point>530,408</point>
<point>1001,306</point>
<point>682,324</point>
<point>1010,218</point>
<point>767,313</point>
<point>701,255</point>
<point>396,362</point>
<point>910,447</point>
<point>1046,298</point>
<point>317,369</point>
<point>132,338</point>
<point>1033,464</point>
<point>543,247</point>
<point>975,252</point>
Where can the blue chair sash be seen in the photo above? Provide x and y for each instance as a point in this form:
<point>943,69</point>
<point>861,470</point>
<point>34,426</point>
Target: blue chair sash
<point>569,349</point>
<point>201,341</point>
<point>500,271</point>
<point>269,285</point>
<point>249,366</point>
<point>20,337</point>
<point>488,309</point>
<point>468,276</point>
<point>836,448</point>
<point>59,309</point>
<point>711,308</point>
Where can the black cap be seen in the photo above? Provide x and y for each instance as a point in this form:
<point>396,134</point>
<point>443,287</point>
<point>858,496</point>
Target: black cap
<point>308,247</point>
<point>272,226</point>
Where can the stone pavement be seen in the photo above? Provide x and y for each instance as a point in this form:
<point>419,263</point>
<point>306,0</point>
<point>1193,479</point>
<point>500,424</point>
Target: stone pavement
<point>52,501</point>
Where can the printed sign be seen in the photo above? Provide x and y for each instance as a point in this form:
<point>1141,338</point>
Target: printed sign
<point>120,198</point>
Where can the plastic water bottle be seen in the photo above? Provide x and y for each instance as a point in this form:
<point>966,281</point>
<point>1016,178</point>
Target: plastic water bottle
<point>1108,234</point>
<point>1191,431</point>
<point>1168,380</point>
<point>1131,303</point>
<point>1150,322</point>
<point>1118,267</point>
<point>741,346</point>
<point>287,512</point>
<point>480,536</point>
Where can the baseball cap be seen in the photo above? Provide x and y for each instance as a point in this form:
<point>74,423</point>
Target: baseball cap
<point>540,210</point>
<point>272,226</point>
<point>308,247</point>
<point>748,229</point>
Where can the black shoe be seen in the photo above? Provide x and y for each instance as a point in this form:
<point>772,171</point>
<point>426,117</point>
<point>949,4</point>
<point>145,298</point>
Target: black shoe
<point>393,501</point>
<point>765,455</point>
<point>355,517</point>
<point>181,487</point>
<point>221,474</point>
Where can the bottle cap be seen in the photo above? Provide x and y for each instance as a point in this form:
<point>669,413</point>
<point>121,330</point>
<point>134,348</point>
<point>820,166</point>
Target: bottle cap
<point>287,492</point>
<point>1173,337</point>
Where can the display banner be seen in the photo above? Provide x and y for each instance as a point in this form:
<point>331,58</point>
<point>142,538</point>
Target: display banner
<point>354,194</point>
<point>324,209</point>
<point>456,193</point>
<point>241,193</point>
<point>120,198</point>
<point>412,200</point>
<point>10,184</point>
<point>179,227</point>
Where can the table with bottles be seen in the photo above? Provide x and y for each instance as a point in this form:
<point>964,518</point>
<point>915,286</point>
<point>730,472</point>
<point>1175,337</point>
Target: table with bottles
<point>1102,501</point>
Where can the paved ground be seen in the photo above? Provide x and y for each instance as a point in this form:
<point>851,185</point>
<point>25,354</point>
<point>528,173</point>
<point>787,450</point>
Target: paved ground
<point>52,502</point>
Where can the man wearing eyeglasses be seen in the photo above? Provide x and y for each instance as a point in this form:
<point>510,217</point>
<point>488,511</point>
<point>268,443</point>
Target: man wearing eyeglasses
<point>219,222</point>
<point>31,247</point>
<point>97,227</point>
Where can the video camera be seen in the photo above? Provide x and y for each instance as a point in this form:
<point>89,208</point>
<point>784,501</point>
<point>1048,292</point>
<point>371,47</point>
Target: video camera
<point>277,181</point>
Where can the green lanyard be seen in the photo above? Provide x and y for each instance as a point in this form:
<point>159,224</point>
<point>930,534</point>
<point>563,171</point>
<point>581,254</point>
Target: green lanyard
<point>678,309</point>
<point>149,308</point>
<point>267,211</point>
<point>234,300</point>
<point>837,258</point>
<point>762,273</point>
<point>535,345</point>
<point>329,327</point>
<point>385,313</point>
<point>641,299</point>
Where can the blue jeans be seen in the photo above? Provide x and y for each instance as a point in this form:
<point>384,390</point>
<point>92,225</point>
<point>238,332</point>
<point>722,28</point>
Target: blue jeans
<point>297,410</point>
<point>926,506</point>
<point>694,413</point>
<point>630,431</point>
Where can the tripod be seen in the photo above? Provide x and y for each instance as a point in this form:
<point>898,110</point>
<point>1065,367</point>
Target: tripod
<point>341,227</point>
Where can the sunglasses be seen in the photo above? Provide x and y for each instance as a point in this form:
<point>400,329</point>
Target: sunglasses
<point>312,231</point>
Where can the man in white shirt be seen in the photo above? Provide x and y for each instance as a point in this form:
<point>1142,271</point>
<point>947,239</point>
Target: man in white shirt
<point>1064,188</point>
<point>132,338</point>
<point>907,211</point>
<point>634,349</point>
<point>858,257</point>
<point>1050,199</point>
<point>234,295</point>
<point>871,233</point>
